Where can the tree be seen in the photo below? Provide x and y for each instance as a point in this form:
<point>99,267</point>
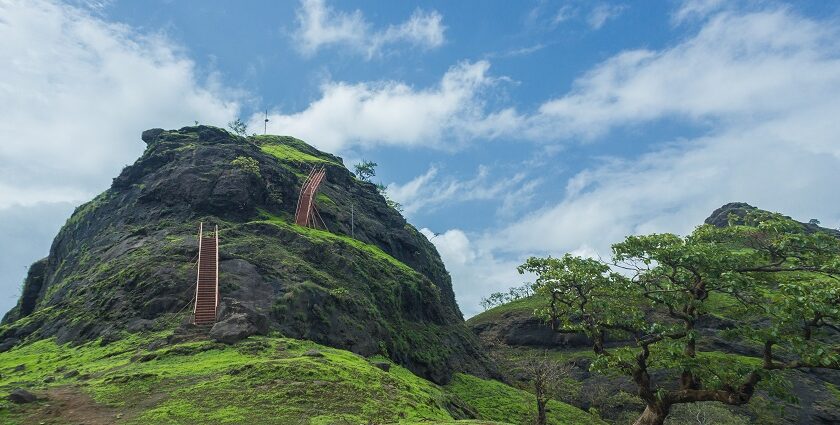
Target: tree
<point>581,297</point>
<point>238,127</point>
<point>543,374</point>
<point>383,190</point>
<point>814,221</point>
<point>365,170</point>
<point>514,293</point>
<point>768,268</point>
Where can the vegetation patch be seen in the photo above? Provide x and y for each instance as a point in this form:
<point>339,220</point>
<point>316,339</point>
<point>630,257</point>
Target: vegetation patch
<point>285,152</point>
<point>496,401</point>
<point>204,382</point>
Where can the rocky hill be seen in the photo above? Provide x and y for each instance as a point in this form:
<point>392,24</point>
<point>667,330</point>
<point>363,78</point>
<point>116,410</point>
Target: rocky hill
<point>124,262</point>
<point>817,391</point>
<point>353,323</point>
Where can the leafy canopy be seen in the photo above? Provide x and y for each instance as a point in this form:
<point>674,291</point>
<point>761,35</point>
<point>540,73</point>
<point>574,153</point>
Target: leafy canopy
<point>779,280</point>
<point>365,170</point>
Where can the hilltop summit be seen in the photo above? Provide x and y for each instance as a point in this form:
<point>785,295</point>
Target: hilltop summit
<point>124,262</point>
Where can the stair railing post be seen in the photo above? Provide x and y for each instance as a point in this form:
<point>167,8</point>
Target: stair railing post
<point>216,307</point>
<point>198,268</point>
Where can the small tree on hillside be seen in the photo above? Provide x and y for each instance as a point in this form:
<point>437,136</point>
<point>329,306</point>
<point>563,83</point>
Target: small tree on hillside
<point>365,170</point>
<point>768,269</point>
<point>383,190</point>
<point>238,127</point>
<point>581,296</point>
<point>543,374</point>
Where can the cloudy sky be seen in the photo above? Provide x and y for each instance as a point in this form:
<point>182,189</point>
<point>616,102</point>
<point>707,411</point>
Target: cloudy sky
<point>506,129</point>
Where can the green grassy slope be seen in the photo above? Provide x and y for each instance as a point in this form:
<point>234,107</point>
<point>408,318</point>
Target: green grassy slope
<point>522,306</point>
<point>262,380</point>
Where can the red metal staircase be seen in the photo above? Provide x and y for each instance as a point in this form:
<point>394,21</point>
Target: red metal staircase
<point>207,280</point>
<point>306,214</point>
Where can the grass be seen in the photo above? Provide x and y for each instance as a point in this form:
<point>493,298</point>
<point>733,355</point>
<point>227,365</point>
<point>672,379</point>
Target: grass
<point>525,305</point>
<point>322,236</point>
<point>496,401</point>
<point>262,380</point>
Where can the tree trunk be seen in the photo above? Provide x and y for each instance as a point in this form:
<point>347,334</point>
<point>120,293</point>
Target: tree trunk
<point>541,415</point>
<point>599,338</point>
<point>541,400</point>
<point>653,415</point>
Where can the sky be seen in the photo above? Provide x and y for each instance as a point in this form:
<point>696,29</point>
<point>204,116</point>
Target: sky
<point>505,129</point>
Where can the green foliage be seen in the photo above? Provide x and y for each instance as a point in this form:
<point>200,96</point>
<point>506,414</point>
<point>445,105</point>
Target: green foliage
<point>365,170</point>
<point>383,190</point>
<point>247,164</point>
<point>581,294</point>
<point>767,267</point>
<point>238,127</point>
<point>513,294</point>
<point>288,153</point>
<point>496,401</point>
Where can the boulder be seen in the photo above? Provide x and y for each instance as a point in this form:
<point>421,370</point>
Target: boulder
<point>383,365</point>
<point>233,329</point>
<point>21,396</point>
<point>8,344</point>
<point>238,322</point>
<point>149,136</point>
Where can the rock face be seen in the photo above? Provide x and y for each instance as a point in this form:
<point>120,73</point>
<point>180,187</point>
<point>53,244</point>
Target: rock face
<point>720,217</point>
<point>126,258</point>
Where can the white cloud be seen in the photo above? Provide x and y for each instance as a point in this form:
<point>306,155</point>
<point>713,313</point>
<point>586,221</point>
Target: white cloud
<point>430,190</point>
<point>696,9</point>
<point>563,14</point>
<point>475,271</point>
<point>394,113</point>
<point>76,94</point>
<point>765,84</point>
<point>737,67</point>
<point>602,13</point>
<point>321,25</point>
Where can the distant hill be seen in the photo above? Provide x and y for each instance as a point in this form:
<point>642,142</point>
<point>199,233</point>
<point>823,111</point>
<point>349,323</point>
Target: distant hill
<point>516,325</point>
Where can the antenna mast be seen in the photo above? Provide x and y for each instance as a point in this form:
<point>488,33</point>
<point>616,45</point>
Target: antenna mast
<point>265,123</point>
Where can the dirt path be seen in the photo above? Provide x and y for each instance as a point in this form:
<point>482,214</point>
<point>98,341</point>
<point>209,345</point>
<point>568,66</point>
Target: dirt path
<point>71,405</point>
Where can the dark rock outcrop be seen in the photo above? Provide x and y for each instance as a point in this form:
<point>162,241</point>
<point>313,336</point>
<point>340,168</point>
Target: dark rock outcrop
<point>21,396</point>
<point>122,262</point>
<point>237,323</point>
<point>720,218</point>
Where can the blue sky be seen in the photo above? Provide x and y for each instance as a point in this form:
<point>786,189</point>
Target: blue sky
<point>507,128</point>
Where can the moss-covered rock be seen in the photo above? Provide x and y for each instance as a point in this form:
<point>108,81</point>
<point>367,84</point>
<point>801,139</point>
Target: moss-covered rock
<point>125,260</point>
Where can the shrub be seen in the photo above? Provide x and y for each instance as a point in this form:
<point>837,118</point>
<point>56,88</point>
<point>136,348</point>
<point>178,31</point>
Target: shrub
<point>247,164</point>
